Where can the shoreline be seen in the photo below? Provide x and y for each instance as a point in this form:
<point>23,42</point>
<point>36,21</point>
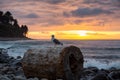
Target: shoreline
<point>12,69</point>
<point>13,39</point>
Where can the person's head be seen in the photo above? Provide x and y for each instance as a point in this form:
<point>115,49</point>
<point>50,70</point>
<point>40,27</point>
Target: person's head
<point>53,36</point>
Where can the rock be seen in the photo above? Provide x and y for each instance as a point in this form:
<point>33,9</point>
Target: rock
<point>4,58</point>
<point>115,75</point>
<point>100,76</point>
<point>88,73</point>
<point>19,78</point>
<point>11,76</point>
<point>3,51</point>
<point>19,57</point>
<point>104,71</point>
<point>33,78</point>
<point>16,63</point>
<point>53,63</point>
<point>4,70</point>
<point>94,69</point>
<point>4,77</point>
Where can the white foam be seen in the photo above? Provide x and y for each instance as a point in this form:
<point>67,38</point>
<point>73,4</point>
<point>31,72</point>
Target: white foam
<point>18,48</point>
<point>101,64</point>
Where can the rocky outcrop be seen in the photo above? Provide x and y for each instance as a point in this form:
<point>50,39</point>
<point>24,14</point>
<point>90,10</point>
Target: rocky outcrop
<point>10,67</point>
<point>53,63</point>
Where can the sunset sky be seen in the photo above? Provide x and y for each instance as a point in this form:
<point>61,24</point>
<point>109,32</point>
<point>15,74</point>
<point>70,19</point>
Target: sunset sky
<point>67,19</point>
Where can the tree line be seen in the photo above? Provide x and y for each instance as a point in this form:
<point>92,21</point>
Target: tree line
<point>9,26</point>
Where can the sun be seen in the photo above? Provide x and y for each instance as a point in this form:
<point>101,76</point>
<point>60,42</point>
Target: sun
<point>82,33</point>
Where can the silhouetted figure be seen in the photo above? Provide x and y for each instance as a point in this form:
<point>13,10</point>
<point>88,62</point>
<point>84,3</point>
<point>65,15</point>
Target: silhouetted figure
<point>55,41</point>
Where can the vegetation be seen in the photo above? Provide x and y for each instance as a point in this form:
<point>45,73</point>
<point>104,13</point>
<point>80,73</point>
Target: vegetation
<point>9,26</point>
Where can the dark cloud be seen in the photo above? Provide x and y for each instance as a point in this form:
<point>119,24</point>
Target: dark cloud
<point>78,21</point>
<point>53,22</point>
<point>0,2</point>
<point>101,2</point>
<point>48,1</point>
<point>116,3</point>
<point>85,12</point>
<point>54,1</point>
<point>31,15</point>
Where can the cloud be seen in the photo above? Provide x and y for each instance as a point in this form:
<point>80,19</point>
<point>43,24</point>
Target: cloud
<point>32,15</point>
<point>54,1</point>
<point>85,12</point>
<point>95,33</point>
<point>116,3</point>
<point>49,13</point>
<point>47,1</point>
<point>101,2</point>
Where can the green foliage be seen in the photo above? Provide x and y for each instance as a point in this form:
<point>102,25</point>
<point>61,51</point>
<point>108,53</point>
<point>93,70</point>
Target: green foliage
<point>9,26</point>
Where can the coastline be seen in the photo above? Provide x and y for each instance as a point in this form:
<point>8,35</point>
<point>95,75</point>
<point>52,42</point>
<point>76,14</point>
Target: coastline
<point>11,69</point>
<point>14,39</point>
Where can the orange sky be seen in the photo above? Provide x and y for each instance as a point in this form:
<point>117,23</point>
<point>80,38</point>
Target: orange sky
<point>67,19</point>
<point>76,34</point>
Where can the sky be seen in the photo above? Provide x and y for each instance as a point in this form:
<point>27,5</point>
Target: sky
<point>67,19</point>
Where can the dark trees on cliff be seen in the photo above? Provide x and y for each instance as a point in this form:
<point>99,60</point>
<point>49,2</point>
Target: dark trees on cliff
<point>9,26</point>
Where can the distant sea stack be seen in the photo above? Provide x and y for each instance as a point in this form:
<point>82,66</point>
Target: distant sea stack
<point>9,27</point>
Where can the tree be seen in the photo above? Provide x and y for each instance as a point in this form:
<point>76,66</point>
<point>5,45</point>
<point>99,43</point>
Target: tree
<point>1,17</point>
<point>9,26</point>
<point>24,29</point>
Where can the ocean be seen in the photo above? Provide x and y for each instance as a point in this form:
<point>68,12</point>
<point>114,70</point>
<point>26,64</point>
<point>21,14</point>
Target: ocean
<point>103,54</point>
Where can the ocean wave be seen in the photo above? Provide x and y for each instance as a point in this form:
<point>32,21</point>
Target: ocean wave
<point>103,57</point>
<point>102,48</point>
<point>103,64</point>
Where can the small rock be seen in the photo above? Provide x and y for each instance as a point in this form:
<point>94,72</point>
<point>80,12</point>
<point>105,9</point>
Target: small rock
<point>4,77</point>
<point>19,78</point>
<point>95,69</point>
<point>33,78</point>
<point>4,58</point>
<point>100,76</point>
<point>19,57</point>
<point>16,63</point>
<point>115,75</point>
<point>88,73</point>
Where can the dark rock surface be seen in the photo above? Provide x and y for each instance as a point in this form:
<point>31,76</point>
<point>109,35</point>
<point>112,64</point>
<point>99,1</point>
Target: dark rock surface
<point>53,62</point>
<point>11,68</point>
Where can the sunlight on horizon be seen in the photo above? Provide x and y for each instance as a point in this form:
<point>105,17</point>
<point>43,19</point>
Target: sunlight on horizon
<point>75,34</point>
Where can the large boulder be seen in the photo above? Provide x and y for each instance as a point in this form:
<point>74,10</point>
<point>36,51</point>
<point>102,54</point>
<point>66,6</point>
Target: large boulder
<point>53,63</point>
